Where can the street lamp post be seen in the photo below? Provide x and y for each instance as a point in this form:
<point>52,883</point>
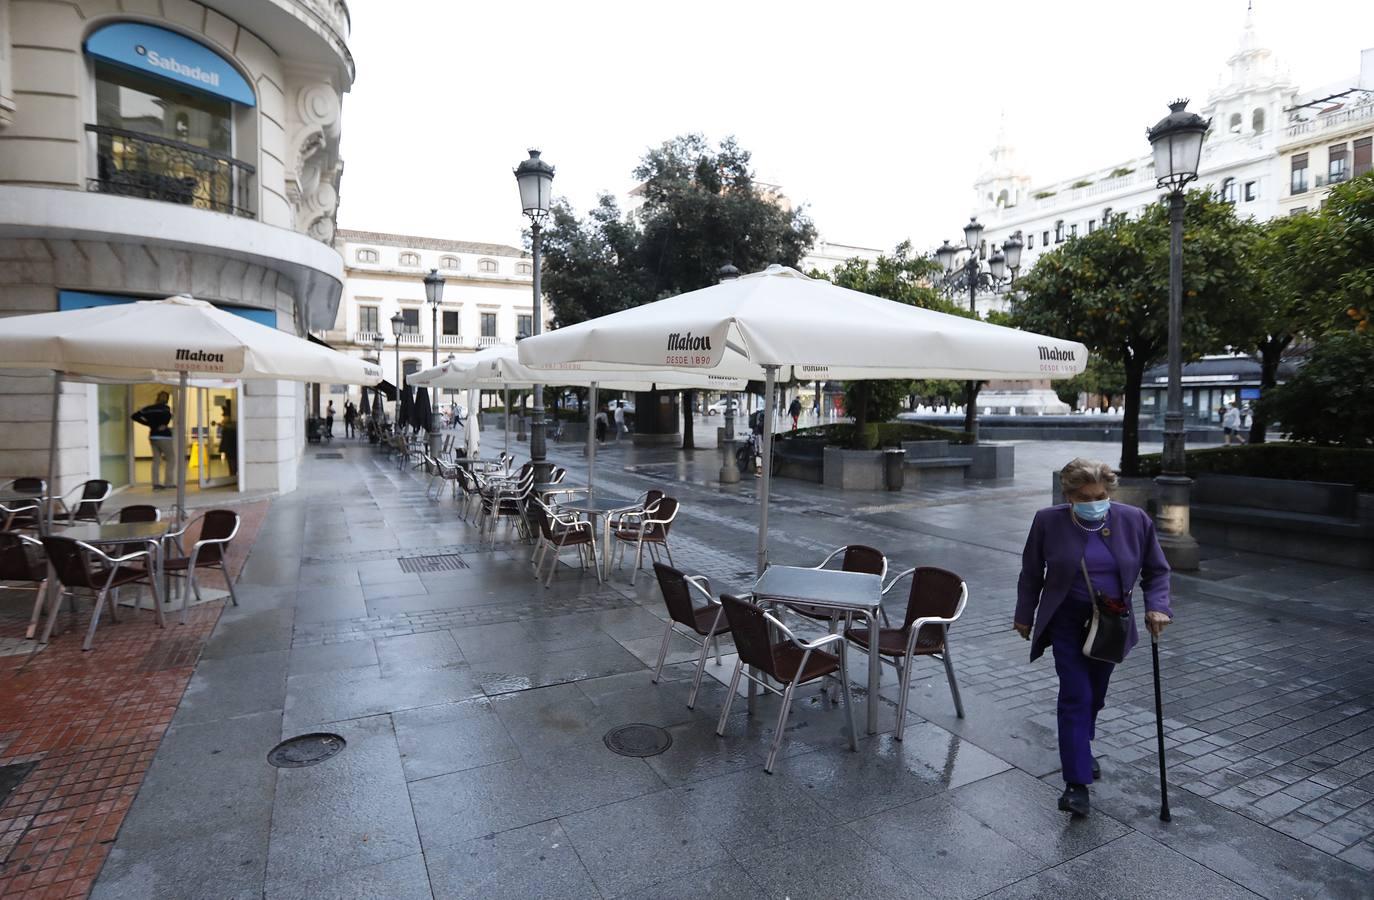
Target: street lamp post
<point>398,322</point>
<point>434,295</point>
<point>1177,144</point>
<point>535,179</point>
<point>971,276</point>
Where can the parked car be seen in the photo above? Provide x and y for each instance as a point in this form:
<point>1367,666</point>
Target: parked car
<point>721,405</point>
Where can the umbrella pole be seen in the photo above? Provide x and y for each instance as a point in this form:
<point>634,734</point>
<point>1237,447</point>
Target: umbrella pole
<point>770,374</point>
<point>181,449</point>
<point>45,514</point>
<point>505,413</point>
<point>591,438</point>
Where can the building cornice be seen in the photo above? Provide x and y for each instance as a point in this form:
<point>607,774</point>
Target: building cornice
<point>417,242</point>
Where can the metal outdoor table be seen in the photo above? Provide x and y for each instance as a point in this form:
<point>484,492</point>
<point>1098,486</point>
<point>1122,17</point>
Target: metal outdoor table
<point>599,505</point>
<point>844,592</point>
<point>115,533</point>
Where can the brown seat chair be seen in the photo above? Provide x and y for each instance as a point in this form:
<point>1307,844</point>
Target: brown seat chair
<point>22,559</point>
<point>707,622</point>
<point>857,558</point>
<point>81,567</point>
<point>558,532</point>
<point>937,600</point>
<point>630,515</point>
<point>24,514</point>
<point>217,530</point>
<point>790,662</point>
<point>651,530</point>
<point>86,509</point>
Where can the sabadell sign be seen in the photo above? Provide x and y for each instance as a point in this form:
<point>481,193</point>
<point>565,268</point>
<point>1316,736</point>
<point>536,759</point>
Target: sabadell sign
<point>165,54</point>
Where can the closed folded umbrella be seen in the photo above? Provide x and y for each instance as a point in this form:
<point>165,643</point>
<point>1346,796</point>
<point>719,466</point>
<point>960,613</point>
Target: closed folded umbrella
<point>403,407</point>
<point>420,410</point>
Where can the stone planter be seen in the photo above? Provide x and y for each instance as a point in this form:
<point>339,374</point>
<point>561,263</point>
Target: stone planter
<point>853,470</point>
<point>992,460</point>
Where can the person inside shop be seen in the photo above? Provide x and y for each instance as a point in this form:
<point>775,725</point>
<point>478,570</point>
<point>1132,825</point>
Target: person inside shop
<point>157,416</point>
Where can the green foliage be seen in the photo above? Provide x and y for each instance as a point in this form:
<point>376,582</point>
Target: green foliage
<point>886,434</point>
<point>936,391</point>
<point>1300,462</point>
<point>1110,290</point>
<point>1327,402</point>
<point>1103,377</point>
<point>1042,195</point>
<point>1082,182</point>
<point>1122,171</point>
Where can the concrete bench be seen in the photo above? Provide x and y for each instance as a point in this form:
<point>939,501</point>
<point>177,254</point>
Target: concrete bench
<point>1311,520</point>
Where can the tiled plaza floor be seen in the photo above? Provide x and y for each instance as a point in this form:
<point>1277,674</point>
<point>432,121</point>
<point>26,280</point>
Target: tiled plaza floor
<point>473,702</point>
<point>88,724</point>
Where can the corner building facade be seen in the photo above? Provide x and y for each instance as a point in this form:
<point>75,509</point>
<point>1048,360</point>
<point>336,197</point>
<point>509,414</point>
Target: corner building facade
<point>156,147</point>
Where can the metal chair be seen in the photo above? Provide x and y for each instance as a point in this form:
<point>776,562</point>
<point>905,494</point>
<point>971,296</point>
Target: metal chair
<point>22,559</point>
<point>706,622</point>
<point>509,498</point>
<point>18,515</point>
<point>93,493</point>
<point>630,515</point>
<point>218,529</point>
<point>790,662</point>
<point>936,601</point>
<point>81,567</point>
<point>651,530</point>
<point>559,531</point>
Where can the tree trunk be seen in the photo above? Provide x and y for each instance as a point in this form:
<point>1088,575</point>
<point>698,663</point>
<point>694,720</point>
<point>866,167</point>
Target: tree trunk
<point>1130,419</point>
<point>860,414</point>
<point>688,439</point>
<point>971,408</point>
<point>1271,351</point>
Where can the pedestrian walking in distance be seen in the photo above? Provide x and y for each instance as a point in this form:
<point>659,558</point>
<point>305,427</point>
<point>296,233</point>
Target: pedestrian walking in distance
<point>1112,546</point>
<point>601,424</point>
<point>620,428</point>
<point>350,419</point>
<point>329,419</point>
<point>158,417</point>
<point>1230,424</point>
<point>795,412</point>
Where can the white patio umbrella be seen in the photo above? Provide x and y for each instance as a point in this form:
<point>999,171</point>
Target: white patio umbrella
<point>167,340</point>
<point>472,435</point>
<point>499,367</point>
<point>779,322</point>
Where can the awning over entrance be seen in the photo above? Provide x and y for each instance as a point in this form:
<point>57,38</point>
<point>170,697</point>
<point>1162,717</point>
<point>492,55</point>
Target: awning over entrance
<point>165,54</point>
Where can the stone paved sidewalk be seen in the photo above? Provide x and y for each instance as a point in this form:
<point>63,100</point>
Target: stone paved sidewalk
<point>474,701</point>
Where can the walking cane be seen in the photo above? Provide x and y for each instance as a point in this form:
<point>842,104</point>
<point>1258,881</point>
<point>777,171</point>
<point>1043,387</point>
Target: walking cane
<point>1159,724</point>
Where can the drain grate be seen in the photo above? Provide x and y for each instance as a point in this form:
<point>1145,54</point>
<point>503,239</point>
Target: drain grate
<point>305,750</point>
<point>638,740</point>
<point>329,456</point>
<point>12,776</point>
<point>448,562</point>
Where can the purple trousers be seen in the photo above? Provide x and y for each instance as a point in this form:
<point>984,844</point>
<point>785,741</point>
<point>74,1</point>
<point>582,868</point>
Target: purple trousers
<point>1082,689</point>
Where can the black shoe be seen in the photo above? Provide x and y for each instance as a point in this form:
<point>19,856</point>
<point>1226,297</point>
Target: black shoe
<point>1097,769</point>
<point>1075,800</point>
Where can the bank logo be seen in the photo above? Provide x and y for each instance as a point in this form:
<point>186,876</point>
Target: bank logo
<point>686,341</point>
<point>170,64</point>
<point>1055,354</point>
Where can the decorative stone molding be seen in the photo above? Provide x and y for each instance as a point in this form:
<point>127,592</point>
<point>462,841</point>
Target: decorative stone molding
<point>314,169</point>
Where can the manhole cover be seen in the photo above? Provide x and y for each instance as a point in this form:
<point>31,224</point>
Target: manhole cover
<point>305,750</point>
<point>329,456</point>
<point>638,740</point>
<point>449,562</point>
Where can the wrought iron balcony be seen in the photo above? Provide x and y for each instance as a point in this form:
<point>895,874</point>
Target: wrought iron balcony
<point>132,164</point>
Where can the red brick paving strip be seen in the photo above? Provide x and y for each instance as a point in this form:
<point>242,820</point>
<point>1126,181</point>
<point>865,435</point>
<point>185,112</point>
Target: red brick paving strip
<point>93,722</point>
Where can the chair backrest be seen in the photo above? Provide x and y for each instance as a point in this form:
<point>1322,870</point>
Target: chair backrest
<point>35,486</point>
<point>665,512</point>
<point>20,560</point>
<point>859,558</point>
<point>70,562</point>
<point>751,633</point>
<point>93,493</point>
<point>677,595</point>
<point>139,512</point>
<point>651,498</point>
<point>542,518</point>
<point>217,525</point>
<point>934,592</point>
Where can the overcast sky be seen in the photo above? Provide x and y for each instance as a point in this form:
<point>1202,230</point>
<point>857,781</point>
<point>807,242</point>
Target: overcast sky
<point>876,115</point>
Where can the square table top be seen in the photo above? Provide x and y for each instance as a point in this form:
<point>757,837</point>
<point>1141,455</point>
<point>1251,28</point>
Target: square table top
<point>116,532</point>
<point>597,503</point>
<point>820,587</point>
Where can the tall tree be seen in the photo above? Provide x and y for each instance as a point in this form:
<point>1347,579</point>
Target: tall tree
<point>591,265</point>
<point>906,278</point>
<point>703,209</point>
<point>1111,288</point>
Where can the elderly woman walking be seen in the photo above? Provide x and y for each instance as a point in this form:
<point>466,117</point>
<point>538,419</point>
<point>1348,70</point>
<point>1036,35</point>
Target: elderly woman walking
<point>1116,544</point>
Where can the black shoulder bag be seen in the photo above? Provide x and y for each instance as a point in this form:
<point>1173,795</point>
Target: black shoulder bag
<point>1105,638</point>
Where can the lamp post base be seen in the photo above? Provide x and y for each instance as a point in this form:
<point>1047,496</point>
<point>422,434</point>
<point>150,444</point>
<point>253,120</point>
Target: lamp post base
<point>1172,522</point>
<point>729,471</point>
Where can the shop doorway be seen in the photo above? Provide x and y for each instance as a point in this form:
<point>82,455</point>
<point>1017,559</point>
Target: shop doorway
<point>213,442</point>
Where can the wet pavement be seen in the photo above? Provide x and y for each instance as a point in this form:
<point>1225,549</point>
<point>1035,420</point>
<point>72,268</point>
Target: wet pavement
<point>474,703</point>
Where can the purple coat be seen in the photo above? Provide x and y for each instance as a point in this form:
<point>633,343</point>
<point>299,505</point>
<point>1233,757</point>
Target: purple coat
<point>1050,563</point>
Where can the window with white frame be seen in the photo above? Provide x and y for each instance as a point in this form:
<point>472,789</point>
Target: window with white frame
<point>488,325</point>
<point>449,262</point>
<point>368,319</point>
<point>524,268</point>
<point>410,321</point>
<point>410,259</point>
<point>1251,191</point>
<point>366,255</point>
<point>487,265</point>
<point>1228,190</point>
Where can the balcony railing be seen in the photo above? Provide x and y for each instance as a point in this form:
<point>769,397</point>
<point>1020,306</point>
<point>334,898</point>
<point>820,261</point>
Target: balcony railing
<point>363,337</point>
<point>487,340</point>
<point>132,164</point>
<point>413,339</point>
<point>1328,121</point>
<point>451,340</point>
